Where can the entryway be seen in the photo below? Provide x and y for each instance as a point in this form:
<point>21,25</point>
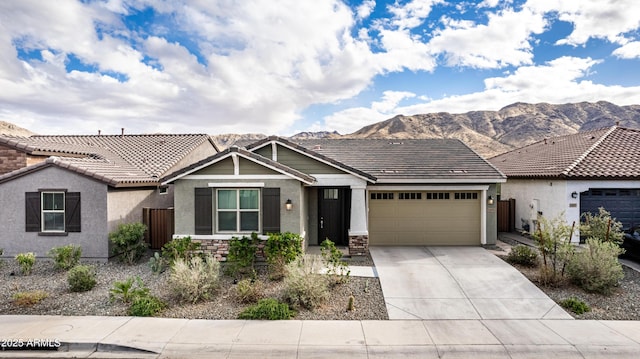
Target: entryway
<point>334,206</point>
<point>457,283</point>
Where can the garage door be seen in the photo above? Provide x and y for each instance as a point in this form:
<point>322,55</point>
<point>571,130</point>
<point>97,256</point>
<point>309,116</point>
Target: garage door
<point>624,204</point>
<point>424,218</point>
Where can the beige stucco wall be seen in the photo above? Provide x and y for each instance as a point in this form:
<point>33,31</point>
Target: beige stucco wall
<point>125,205</point>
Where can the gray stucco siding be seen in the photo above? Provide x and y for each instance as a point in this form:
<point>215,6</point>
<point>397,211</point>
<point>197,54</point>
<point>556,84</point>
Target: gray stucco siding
<point>93,237</point>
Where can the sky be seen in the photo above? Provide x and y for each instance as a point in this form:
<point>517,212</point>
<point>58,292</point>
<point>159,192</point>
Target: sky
<point>280,67</point>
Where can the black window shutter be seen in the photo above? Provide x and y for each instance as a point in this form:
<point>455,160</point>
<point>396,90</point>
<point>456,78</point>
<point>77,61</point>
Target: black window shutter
<point>32,207</point>
<point>203,210</point>
<point>72,211</point>
<point>270,210</point>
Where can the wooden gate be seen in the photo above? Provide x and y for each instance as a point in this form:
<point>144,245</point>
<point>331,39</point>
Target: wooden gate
<point>160,226</point>
<point>507,215</point>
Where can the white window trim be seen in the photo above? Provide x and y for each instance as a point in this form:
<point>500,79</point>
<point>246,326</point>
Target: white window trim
<point>238,210</point>
<point>43,211</point>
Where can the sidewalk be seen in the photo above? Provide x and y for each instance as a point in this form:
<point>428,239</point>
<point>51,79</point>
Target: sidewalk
<point>128,337</point>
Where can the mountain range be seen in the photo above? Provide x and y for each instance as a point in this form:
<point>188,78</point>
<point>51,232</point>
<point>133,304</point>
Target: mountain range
<point>487,132</point>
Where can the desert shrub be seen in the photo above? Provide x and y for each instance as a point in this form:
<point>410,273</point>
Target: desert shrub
<point>596,268</point>
<point>128,242</point>
<point>66,257</point>
<point>30,298</point>
<point>267,309</point>
<point>249,291</point>
<point>575,305</point>
<point>242,255</point>
<point>181,247</point>
<point>523,255</point>
<point>127,290</point>
<point>304,285</point>
<point>601,227</point>
<point>281,249</point>
<point>157,263</point>
<point>146,306</point>
<point>81,278</point>
<point>337,269</point>
<point>196,279</point>
<point>26,261</point>
<point>553,238</point>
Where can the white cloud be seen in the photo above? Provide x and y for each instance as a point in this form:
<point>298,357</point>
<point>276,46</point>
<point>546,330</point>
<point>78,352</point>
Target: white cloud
<point>412,14</point>
<point>630,50</point>
<point>365,9</point>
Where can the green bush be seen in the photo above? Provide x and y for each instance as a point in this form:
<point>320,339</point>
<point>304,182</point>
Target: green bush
<point>575,305</point>
<point>81,278</point>
<point>553,238</point>
<point>25,299</point>
<point>66,257</point>
<point>596,268</point>
<point>196,279</point>
<point>181,247</point>
<point>267,309</point>
<point>127,290</point>
<point>26,261</point>
<point>281,249</point>
<point>304,285</point>
<point>523,255</point>
<point>242,255</point>
<point>601,227</point>
<point>128,242</point>
<point>146,306</point>
<point>337,269</point>
<point>249,291</point>
<point>157,263</point>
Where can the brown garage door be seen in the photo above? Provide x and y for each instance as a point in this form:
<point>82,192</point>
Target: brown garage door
<point>424,218</point>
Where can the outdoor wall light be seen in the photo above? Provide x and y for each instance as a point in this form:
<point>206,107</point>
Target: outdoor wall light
<point>490,200</point>
<point>574,194</point>
<point>288,205</point>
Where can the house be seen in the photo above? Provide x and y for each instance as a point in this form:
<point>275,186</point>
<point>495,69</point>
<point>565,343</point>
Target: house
<point>575,174</point>
<point>356,192</point>
<point>59,190</point>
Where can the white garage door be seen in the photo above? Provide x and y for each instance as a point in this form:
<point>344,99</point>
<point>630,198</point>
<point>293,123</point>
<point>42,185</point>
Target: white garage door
<point>424,218</point>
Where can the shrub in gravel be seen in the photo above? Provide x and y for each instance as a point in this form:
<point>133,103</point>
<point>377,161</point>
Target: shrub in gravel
<point>575,305</point>
<point>242,255</point>
<point>194,280</point>
<point>146,306</point>
<point>267,309</point>
<point>281,249</point>
<point>248,290</point>
<point>601,227</point>
<point>337,269</point>
<point>128,242</point>
<point>304,285</point>
<point>26,261</point>
<point>553,238</point>
<point>81,278</point>
<point>128,290</point>
<point>29,298</point>
<point>596,268</point>
<point>181,247</point>
<point>66,257</point>
<point>523,255</point>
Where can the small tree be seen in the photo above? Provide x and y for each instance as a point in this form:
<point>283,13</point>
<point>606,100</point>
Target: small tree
<point>128,242</point>
<point>601,227</point>
<point>554,244</point>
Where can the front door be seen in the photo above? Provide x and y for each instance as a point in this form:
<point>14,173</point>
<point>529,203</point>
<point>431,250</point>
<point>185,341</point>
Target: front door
<point>333,215</point>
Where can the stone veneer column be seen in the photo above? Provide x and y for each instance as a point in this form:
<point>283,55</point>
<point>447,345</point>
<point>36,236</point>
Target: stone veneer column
<point>358,230</point>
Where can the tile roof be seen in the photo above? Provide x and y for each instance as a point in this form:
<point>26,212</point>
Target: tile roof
<point>608,153</point>
<point>116,160</point>
<point>395,160</point>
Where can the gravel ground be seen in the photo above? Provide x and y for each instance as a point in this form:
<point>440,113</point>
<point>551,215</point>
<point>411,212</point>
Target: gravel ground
<point>369,302</point>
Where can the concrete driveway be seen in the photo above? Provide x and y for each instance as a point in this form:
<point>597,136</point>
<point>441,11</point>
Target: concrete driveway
<point>457,283</point>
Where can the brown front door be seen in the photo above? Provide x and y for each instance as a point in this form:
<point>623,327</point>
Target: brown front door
<point>333,215</point>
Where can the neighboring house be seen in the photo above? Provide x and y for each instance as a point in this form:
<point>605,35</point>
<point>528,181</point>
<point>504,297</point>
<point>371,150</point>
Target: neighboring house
<point>356,192</point>
<point>59,190</point>
<point>575,174</point>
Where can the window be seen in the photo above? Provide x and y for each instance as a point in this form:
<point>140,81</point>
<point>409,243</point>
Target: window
<point>438,195</point>
<point>466,195</point>
<point>238,210</point>
<point>410,195</point>
<point>382,195</point>
<point>52,212</point>
<point>330,193</point>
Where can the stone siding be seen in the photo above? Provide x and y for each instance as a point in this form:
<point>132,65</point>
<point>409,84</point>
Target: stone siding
<point>219,249</point>
<point>358,245</point>
<point>11,159</point>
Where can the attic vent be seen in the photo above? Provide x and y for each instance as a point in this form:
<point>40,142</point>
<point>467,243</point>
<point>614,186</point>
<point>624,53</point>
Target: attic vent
<point>458,171</point>
<point>317,147</point>
<point>396,143</point>
<point>389,171</point>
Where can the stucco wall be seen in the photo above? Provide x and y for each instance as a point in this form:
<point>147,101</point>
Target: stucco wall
<point>125,205</point>
<point>93,198</point>
<point>289,189</point>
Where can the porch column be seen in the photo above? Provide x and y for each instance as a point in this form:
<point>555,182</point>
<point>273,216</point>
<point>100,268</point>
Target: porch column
<point>358,230</point>
<point>483,217</point>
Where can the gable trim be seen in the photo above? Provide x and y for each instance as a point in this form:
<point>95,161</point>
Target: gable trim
<point>236,184</point>
<point>234,177</point>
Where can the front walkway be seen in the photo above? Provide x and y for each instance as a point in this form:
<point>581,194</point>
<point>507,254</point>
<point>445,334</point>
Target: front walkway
<point>457,283</point>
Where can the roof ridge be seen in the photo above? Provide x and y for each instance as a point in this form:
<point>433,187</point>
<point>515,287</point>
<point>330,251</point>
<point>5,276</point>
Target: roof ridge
<point>588,151</point>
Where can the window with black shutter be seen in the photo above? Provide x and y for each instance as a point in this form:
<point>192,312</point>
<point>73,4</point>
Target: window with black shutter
<point>203,211</point>
<point>270,210</point>
<point>52,211</point>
